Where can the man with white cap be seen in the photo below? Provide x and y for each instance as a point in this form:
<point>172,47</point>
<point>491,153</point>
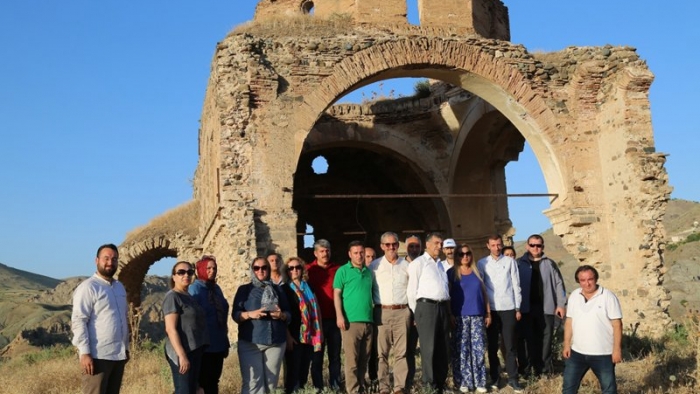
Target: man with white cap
<point>448,249</point>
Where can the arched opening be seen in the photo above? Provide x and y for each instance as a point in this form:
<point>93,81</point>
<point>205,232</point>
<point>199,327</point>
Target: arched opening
<point>355,170</point>
<point>307,7</point>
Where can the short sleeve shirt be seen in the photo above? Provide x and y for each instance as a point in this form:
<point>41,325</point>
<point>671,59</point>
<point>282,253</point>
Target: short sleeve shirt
<point>191,322</point>
<point>591,321</point>
<point>356,285</point>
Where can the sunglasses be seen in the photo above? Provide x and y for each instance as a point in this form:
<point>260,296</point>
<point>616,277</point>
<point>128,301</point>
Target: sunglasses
<point>536,245</point>
<point>189,272</point>
<point>294,267</point>
<point>390,244</point>
<point>460,254</point>
<point>257,268</point>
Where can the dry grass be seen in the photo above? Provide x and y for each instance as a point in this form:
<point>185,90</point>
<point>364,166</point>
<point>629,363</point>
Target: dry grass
<point>667,366</point>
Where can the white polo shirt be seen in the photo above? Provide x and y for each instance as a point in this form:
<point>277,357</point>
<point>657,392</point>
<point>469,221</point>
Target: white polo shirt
<point>591,321</point>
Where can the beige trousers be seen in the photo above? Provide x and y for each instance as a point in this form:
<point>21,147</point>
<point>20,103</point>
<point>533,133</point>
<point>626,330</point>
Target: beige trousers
<point>357,344</point>
<point>394,325</point>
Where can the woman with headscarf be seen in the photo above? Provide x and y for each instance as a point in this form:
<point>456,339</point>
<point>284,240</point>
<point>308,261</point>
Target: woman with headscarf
<point>210,297</point>
<point>186,329</point>
<point>262,312</point>
<point>304,335</point>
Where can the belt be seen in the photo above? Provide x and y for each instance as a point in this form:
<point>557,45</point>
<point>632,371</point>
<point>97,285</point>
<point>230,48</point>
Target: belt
<point>395,306</point>
<point>430,301</point>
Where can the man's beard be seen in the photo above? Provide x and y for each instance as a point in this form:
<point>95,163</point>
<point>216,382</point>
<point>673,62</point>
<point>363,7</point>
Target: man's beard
<point>107,272</point>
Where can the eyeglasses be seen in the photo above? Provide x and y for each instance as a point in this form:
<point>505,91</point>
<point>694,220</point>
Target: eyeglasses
<point>257,268</point>
<point>183,272</point>
<point>390,244</point>
<point>294,267</point>
<point>536,245</point>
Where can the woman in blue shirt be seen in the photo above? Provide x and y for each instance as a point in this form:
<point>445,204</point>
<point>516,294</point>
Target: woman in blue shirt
<point>210,297</point>
<point>471,311</point>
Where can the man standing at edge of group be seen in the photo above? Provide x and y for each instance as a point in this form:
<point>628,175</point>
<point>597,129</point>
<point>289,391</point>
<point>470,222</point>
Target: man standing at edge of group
<point>392,315</point>
<point>592,333</point>
<point>352,291</point>
<point>321,273</point>
<point>99,324</point>
<point>428,298</point>
<point>413,251</point>
<point>543,297</point>
<point>503,289</point>
<point>448,249</point>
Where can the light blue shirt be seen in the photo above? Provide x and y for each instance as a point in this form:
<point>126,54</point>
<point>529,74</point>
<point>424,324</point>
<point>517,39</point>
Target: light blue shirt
<point>99,319</point>
<point>502,282</point>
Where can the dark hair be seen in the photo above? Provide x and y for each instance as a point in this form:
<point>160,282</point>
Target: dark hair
<point>535,236</point>
<point>586,268</point>
<point>495,237</point>
<point>107,246</point>
<point>172,271</point>
<point>503,251</point>
<point>274,254</point>
<point>433,235</point>
<point>354,243</point>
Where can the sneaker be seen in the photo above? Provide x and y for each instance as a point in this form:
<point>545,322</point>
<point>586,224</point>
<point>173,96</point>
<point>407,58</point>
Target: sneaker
<point>481,390</point>
<point>464,389</point>
<point>494,385</point>
<point>515,386</point>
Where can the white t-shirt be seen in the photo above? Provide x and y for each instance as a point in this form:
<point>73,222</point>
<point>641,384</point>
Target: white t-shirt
<point>591,321</point>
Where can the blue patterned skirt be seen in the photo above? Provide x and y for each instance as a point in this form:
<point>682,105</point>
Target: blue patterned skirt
<point>468,350</point>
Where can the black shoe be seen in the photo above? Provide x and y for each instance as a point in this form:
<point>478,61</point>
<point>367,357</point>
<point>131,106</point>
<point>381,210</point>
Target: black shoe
<point>515,386</point>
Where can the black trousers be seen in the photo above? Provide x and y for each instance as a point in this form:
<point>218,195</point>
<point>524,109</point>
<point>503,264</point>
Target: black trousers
<point>502,322</point>
<point>210,373</point>
<point>433,324</point>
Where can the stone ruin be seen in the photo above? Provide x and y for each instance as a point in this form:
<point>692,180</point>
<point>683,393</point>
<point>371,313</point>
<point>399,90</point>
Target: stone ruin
<point>434,163</point>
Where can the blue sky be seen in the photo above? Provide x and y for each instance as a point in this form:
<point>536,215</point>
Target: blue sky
<point>100,105</point>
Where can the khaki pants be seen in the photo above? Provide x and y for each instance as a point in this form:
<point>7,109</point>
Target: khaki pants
<point>394,325</point>
<point>357,344</point>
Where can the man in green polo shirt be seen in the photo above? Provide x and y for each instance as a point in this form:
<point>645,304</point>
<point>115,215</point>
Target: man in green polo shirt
<point>352,294</point>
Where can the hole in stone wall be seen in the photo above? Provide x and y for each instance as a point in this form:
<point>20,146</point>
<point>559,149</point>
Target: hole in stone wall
<point>319,165</point>
<point>412,15</point>
<point>307,7</point>
<point>309,238</point>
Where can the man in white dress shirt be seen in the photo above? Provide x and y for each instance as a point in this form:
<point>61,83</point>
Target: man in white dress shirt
<point>503,290</point>
<point>99,324</point>
<point>392,315</point>
<point>429,299</point>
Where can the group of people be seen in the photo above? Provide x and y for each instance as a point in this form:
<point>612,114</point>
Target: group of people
<point>375,309</point>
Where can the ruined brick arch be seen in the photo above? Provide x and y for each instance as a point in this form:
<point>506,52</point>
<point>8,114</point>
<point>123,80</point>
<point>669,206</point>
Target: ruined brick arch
<point>172,234</point>
<point>470,65</point>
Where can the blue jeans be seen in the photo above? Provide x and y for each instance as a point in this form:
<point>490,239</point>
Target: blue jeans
<point>188,382</point>
<point>578,364</point>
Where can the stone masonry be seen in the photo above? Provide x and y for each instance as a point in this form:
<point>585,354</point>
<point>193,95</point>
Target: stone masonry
<point>269,111</point>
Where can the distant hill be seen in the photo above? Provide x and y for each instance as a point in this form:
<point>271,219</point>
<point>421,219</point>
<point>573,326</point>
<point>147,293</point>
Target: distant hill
<point>35,310</point>
<point>15,282</point>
